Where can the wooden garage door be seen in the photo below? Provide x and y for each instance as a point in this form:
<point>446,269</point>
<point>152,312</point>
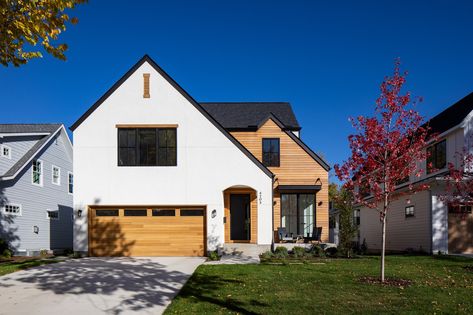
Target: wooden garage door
<point>460,233</point>
<point>147,232</point>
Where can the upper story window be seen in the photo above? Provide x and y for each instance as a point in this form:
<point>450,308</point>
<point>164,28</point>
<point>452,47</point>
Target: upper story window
<point>271,152</point>
<point>56,175</point>
<point>12,209</point>
<point>37,177</point>
<point>437,156</point>
<point>147,147</point>
<point>70,182</point>
<point>5,151</point>
<point>409,211</point>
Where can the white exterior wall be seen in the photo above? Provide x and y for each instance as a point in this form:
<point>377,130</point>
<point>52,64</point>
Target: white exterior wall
<point>207,161</point>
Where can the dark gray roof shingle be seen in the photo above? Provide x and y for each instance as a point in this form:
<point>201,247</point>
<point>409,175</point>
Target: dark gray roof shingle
<point>244,115</point>
<point>28,128</point>
<point>452,116</point>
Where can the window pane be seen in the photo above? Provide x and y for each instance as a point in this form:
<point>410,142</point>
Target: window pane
<point>430,159</point>
<point>127,147</point>
<point>167,147</point>
<point>135,213</point>
<point>266,146</point>
<point>147,147</point>
<point>289,213</point>
<point>441,154</point>
<point>164,212</point>
<point>306,214</point>
<point>106,213</point>
<point>192,212</point>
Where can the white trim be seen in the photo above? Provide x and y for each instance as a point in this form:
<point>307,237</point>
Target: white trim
<point>19,134</point>
<point>19,214</point>
<point>69,182</point>
<point>50,218</point>
<point>32,158</point>
<point>41,173</point>
<point>3,146</point>
<point>58,175</point>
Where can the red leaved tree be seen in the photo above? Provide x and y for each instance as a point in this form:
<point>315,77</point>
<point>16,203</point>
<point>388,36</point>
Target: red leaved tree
<point>386,150</point>
<point>459,181</point>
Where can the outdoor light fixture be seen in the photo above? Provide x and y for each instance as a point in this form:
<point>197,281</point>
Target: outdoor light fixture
<point>79,213</point>
<point>35,229</point>
<point>214,213</point>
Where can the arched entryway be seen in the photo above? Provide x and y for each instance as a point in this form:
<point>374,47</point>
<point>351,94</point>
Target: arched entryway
<point>241,215</point>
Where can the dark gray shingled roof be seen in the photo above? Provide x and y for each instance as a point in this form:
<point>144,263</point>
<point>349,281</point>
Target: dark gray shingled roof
<point>249,115</point>
<point>452,116</point>
<point>28,128</point>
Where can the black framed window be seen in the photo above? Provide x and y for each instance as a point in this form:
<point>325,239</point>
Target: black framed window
<point>147,147</point>
<point>437,156</point>
<point>164,212</point>
<point>356,217</point>
<point>459,209</point>
<point>106,213</point>
<point>298,214</point>
<point>409,211</point>
<point>271,152</point>
<point>167,147</point>
<point>135,213</point>
<point>192,212</point>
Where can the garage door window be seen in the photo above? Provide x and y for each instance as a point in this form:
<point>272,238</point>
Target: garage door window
<point>106,213</point>
<point>135,213</point>
<point>164,212</point>
<point>192,212</point>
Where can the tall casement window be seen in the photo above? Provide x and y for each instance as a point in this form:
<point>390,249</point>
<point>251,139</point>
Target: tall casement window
<point>70,180</point>
<point>37,175</point>
<point>437,156</point>
<point>147,147</point>
<point>271,152</point>
<point>298,214</point>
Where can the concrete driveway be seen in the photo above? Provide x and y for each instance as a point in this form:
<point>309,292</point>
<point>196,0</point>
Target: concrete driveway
<point>97,286</point>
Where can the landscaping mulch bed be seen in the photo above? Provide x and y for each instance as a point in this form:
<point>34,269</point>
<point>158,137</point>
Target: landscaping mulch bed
<point>389,282</point>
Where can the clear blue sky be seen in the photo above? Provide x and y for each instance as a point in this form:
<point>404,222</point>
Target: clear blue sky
<point>325,57</point>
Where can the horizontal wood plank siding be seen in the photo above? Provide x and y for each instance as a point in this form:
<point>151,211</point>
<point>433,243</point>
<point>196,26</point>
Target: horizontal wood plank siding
<point>296,168</point>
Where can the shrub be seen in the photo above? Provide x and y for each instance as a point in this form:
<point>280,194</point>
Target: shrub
<point>331,252</point>
<point>68,252</point>
<point>6,253</point>
<point>213,255</point>
<point>43,252</point>
<point>266,255</point>
<point>281,252</point>
<point>317,251</point>
<point>363,247</point>
<point>298,252</point>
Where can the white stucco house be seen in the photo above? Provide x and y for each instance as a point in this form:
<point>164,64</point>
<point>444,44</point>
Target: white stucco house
<point>153,171</point>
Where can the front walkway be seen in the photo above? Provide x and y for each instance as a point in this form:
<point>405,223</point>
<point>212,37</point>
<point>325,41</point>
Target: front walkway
<point>97,286</point>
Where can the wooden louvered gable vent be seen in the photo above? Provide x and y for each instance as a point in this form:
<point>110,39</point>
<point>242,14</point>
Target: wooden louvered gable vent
<point>146,85</point>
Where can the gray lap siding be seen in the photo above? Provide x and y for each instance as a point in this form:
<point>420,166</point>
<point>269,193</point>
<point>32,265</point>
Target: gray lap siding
<point>36,200</point>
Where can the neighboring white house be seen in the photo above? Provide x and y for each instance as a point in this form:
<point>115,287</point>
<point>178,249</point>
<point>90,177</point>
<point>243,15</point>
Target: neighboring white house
<point>421,222</point>
<point>36,186</point>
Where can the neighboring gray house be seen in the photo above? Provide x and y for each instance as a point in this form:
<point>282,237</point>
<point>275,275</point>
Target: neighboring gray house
<point>36,185</point>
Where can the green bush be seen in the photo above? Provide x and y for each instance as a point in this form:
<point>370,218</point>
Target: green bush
<point>331,252</point>
<point>299,252</point>
<point>43,252</point>
<point>266,255</point>
<point>281,252</point>
<point>213,255</point>
<point>6,253</point>
<point>68,252</point>
<point>317,251</point>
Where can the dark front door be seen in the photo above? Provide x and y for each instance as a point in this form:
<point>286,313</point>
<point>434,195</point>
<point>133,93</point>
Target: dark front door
<point>240,217</point>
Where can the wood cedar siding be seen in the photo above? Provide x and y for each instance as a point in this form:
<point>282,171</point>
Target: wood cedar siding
<point>253,214</point>
<point>297,167</point>
<point>460,231</point>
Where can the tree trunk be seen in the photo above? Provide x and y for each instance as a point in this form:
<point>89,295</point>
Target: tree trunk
<point>383,240</point>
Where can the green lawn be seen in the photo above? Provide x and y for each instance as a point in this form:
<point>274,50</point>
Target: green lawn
<point>439,285</point>
<point>17,264</point>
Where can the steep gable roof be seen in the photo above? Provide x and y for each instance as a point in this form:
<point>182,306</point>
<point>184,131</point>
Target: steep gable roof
<point>451,116</point>
<point>186,95</point>
<point>297,140</point>
<point>49,129</point>
<point>248,115</point>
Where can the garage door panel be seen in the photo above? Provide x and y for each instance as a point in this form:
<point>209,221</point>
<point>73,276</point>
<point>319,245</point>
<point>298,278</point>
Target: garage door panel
<point>147,235</point>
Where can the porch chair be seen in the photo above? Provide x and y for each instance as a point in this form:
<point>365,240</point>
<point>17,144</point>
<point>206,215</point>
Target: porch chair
<point>284,236</point>
<point>317,234</point>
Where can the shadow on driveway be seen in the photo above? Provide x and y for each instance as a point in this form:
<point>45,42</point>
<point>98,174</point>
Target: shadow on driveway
<point>97,285</point>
